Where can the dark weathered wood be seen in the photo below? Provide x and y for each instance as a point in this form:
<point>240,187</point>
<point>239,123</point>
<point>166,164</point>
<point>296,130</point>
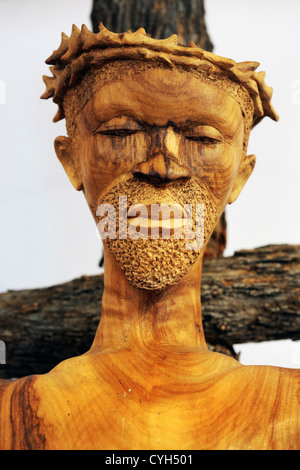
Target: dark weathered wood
<point>160,18</point>
<point>251,296</point>
<point>41,327</point>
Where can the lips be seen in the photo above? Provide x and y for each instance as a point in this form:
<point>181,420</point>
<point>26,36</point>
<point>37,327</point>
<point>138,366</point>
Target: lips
<point>157,218</point>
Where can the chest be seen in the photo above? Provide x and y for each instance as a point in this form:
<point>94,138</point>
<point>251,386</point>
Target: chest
<point>198,418</point>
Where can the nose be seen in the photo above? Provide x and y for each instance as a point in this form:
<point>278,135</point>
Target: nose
<point>162,164</point>
<point>161,167</point>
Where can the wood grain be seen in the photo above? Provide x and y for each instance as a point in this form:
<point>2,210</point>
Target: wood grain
<point>153,398</point>
<point>155,130</point>
<point>250,297</point>
<point>142,387</point>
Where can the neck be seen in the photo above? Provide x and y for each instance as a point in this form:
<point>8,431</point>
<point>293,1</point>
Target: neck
<point>133,317</point>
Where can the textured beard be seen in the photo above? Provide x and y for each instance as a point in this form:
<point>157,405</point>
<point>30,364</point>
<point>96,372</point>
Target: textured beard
<point>154,264</point>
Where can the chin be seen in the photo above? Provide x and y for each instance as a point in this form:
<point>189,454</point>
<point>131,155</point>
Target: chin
<point>153,264</point>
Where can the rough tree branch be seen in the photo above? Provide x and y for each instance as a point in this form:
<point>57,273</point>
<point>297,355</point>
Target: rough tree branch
<point>250,297</point>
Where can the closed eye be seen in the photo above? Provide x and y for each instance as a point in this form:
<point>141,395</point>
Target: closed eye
<point>205,135</point>
<point>118,132</point>
<point>203,139</point>
<point>121,126</point>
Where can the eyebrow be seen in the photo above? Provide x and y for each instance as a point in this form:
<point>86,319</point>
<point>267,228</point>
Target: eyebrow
<point>133,108</point>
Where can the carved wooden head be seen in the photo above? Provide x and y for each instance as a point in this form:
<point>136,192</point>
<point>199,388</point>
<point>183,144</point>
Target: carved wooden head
<point>151,122</point>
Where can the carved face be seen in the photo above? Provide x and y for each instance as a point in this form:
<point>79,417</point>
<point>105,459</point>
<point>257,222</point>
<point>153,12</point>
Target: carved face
<point>159,136</point>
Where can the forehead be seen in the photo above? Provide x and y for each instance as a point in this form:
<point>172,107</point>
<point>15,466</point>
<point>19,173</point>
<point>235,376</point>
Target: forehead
<point>157,96</point>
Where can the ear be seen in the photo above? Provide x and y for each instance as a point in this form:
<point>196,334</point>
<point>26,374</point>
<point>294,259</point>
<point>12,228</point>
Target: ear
<point>245,170</point>
<point>67,157</point>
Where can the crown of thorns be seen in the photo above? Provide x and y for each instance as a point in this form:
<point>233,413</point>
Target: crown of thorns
<point>85,50</point>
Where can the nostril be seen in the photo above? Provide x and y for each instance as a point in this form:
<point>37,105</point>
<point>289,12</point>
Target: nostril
<point>160,167</point>
<point>152,168</point>
<point>153,177</point>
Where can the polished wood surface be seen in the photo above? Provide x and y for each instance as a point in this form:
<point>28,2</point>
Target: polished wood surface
<point>152,384</point>
<point>153,133</point>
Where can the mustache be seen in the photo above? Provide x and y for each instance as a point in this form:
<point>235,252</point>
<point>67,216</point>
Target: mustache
<point>140,191</point>
<point>149,201</point>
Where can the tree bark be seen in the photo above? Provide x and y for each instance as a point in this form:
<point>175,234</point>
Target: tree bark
<point>251,296</point>
<point>160,18</point>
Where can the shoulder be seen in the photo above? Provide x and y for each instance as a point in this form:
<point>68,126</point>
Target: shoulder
<point>259,406</point>
<point>280,378</point>
<point>272,391</point>
<point>18,405</point>
<point>29,405</point>
<point>274,381</point>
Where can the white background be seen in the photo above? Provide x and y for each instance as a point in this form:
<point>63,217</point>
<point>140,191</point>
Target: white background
<point>47,233</point>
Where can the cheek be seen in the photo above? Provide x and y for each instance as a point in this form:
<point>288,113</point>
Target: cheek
<point>105,159</point>
<point>213,166</point>
<point>222,173</point>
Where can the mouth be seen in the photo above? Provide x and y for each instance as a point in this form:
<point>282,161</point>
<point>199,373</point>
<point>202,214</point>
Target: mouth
<point>157,217</point>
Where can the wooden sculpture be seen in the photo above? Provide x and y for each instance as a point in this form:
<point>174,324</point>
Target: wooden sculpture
<point>156,123</point>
